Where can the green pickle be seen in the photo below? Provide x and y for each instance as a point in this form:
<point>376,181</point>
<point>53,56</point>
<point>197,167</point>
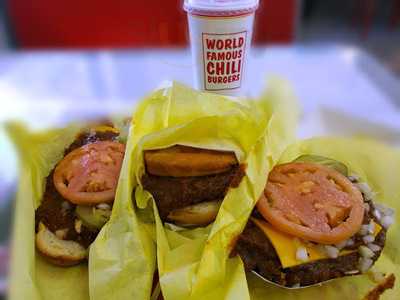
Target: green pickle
<point>334,164</point>
<point>92,216</point>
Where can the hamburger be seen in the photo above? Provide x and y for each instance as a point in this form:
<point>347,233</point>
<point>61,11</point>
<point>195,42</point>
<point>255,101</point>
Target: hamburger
<point>79,195</point>
<point>188,184</point>
<point>314,222</point>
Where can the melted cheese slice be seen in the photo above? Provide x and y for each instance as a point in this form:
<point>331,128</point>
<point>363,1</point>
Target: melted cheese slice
<point>286,245</point>
<point>105,128</point>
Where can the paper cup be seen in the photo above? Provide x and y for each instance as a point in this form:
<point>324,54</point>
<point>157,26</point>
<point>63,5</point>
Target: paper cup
<point>220,37</point>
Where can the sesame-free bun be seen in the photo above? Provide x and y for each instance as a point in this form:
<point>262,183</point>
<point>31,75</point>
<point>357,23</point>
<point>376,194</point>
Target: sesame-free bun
<point>184,161</point>
<point>57,251</point>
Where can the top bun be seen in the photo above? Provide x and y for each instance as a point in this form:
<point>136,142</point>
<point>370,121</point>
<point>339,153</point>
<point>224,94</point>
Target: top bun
<point>184,161</point>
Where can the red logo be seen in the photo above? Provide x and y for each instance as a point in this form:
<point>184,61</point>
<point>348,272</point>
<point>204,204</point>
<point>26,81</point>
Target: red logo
<point>223,60</point>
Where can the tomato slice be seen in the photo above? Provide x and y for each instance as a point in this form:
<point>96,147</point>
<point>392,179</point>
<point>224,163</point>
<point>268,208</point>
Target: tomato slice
<point>312,202</point>
<point>89,174</point>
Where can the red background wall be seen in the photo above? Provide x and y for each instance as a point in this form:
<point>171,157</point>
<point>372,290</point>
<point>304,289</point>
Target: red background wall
<point>127,23</point>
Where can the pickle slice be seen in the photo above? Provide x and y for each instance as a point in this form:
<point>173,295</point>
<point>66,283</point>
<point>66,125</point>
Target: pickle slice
<point>92,216</point>
<point>328,162</point>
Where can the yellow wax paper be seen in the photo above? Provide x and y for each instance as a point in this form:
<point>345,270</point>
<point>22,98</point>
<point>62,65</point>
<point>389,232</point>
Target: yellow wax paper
<point>379,166</point>
<point>194,263</point>
<point>121,262</point>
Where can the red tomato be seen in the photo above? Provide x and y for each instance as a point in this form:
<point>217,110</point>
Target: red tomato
<point>89,175</point>
<point>312,202</point>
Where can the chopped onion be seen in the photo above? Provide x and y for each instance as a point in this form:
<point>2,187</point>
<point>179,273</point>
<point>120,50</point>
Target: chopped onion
<point>366,206</point>
<point>352,272</point>
<point>387,221</point>
<point>366,190</point>
<point>301,254</point>
<point>368,239</point>
<point>350,242</point>
<point>364,264</point>
<point>78,225</point>
<point>364,229</point>
<point>385,210</point>
<point>65,205</point>
<point>104,206</point>
<point>353,177</point>
<point>363,187</point>
<point>371,228</point>
<point>331,251</point>
<point>377,214</point>
<point>341,245</point>
<point>377,277</point>
<point>374,247</point>
<point>365,252</point>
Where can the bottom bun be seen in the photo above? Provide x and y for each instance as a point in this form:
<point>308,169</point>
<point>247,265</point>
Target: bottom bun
<point>200,214</point>
<point>57,251</point>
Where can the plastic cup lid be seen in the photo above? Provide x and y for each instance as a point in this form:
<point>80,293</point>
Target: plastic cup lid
<point>215,7</point>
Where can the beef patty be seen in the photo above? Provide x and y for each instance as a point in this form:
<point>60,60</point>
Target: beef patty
<point>57,213</point>
<point>259,255</point>
<point>172,193</point>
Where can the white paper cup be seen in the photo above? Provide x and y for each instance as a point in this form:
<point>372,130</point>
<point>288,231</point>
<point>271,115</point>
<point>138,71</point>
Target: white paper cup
<point>220,37</point>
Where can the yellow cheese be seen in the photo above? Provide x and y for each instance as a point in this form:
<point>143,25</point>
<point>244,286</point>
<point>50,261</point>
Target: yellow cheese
<point>286,245</point>
<point>105,128</point>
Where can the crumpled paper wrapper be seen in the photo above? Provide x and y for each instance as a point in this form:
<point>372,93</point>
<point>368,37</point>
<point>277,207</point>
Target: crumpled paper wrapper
<point>379,166</point>
<point>122,260</point>
<point>195,263</point>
